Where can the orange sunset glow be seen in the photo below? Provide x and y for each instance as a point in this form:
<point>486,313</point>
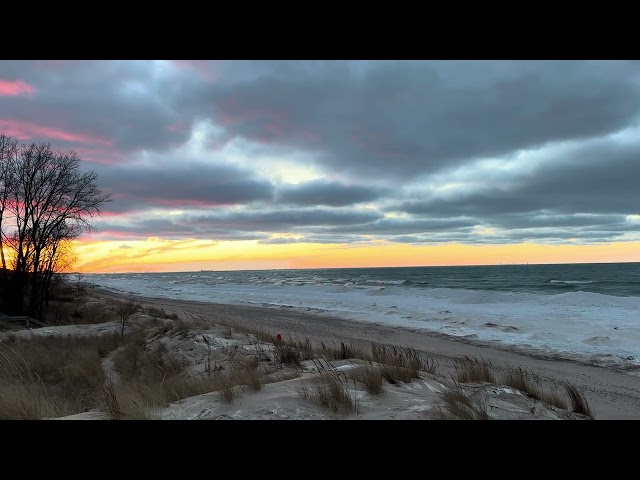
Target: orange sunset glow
<point>155,255</point>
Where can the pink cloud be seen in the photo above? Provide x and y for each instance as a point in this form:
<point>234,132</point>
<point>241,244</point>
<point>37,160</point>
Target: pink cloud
<point>27,131</point>
<point>268,126</point>
<point>271,125</point>
<point>181,203</point>
<point>218,143</point>
<point>203,68</point>
<point>110,235</point>
<point>230,115</point>
<point>102,156</point>
<point>15,88</point>
<point>110,214</point>
<point>376,142</point>
<point>179,127</point>
<point>310,138</point>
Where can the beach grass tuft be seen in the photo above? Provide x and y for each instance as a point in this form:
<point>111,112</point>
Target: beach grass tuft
<point>132,400</point>
<point>474,370</point>
<point>344,351</point>
<point>459,406</point>
<point>287,352</point>
<point>332,390</point>
<point>371,378</point>
<point>31,401</point>
<point>401,364</point>
<point>579,403</point>
<point>527,383</point>
<point>247,372</point>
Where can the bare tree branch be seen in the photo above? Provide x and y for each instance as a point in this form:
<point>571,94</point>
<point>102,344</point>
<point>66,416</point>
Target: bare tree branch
<point>47,201</point>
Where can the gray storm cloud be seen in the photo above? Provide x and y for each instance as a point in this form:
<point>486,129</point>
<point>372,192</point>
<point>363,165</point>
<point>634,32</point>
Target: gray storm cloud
<point>326,193</point>
<point>382,137</point>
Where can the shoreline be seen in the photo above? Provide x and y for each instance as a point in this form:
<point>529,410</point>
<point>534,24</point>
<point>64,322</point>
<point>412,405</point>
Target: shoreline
<point>612,394</point>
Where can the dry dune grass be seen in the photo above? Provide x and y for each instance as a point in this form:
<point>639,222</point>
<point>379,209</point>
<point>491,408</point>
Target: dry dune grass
<point>333,390</point>
<point>475,370</point>
<point>579,403</point>
<point>459,406</point>
<point>370,376</point>
<point>401,364</point>
<point>519,379</point>
<point>472,370</point>
<point>52,376</point>
<point>135,374</point>
<point>343,351</point>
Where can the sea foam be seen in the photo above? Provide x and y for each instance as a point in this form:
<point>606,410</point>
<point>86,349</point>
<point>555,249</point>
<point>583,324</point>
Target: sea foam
<point>582,325</point>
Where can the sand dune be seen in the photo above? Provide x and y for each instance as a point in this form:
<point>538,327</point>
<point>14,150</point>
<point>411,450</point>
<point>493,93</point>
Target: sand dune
<point>611,393</point>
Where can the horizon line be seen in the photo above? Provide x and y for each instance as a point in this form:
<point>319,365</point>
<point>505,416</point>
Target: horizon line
<point>353,268</point>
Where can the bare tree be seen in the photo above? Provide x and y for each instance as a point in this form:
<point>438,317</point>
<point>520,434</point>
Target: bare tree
<point>57,257</point>
<point>79,284</point>
<point>125,310</point>
<point>49,202</point>
<point>8,157</point>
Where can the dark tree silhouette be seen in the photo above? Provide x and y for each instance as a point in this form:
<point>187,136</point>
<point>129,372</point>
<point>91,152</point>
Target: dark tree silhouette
<point>45,201</point>
<point>125,310</point>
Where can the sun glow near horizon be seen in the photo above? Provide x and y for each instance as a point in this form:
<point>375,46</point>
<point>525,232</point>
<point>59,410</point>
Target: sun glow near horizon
<point>238,164</point>
<point>160,255</point>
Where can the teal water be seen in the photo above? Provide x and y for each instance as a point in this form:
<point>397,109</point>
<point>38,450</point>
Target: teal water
<point>617,279</point>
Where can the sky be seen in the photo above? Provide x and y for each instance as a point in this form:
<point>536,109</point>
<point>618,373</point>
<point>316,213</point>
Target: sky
<point>218,165</point>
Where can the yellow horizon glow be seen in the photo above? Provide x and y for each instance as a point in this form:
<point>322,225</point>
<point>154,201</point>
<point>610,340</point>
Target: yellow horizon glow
<point>161,255</point>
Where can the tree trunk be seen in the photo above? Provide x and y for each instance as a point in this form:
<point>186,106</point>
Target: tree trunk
<point>35,290</point>
<point>4,262</point>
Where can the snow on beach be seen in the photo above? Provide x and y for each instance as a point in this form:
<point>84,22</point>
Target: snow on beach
<point>590,327</point>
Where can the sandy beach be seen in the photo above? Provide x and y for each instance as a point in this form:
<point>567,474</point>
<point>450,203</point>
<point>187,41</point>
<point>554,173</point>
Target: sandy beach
<point>613,395</point>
